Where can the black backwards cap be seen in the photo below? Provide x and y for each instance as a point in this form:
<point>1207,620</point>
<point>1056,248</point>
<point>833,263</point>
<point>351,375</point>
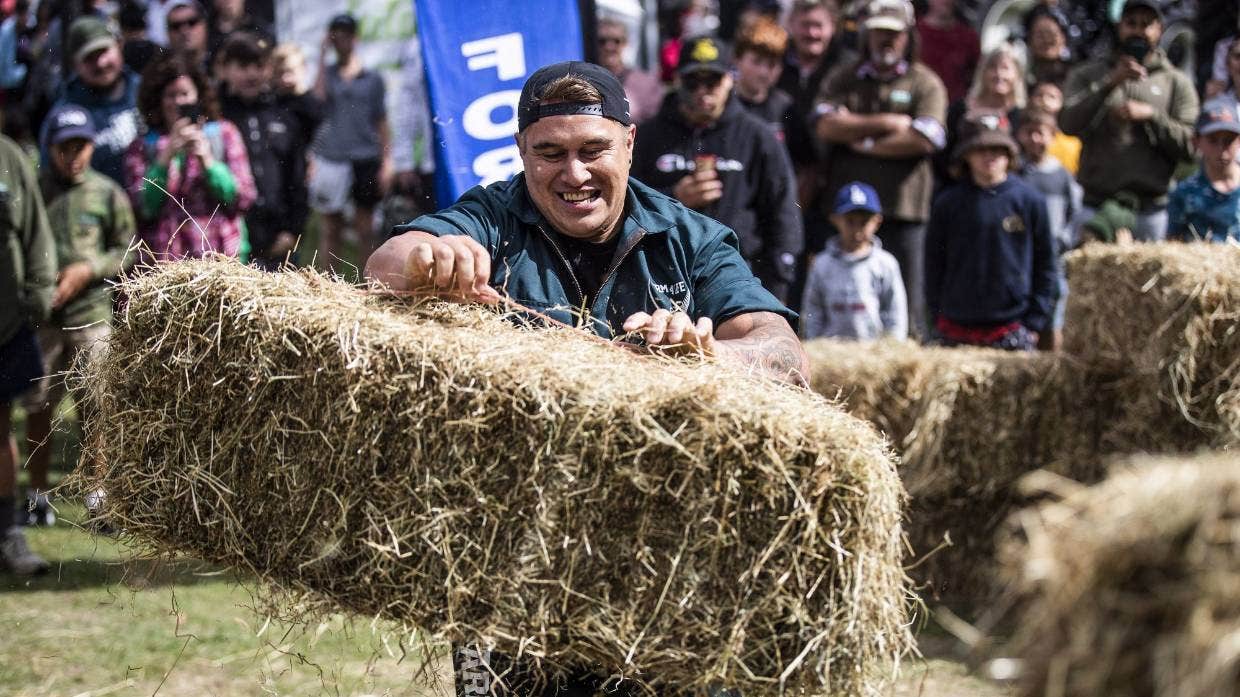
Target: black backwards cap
<point>615,105</point>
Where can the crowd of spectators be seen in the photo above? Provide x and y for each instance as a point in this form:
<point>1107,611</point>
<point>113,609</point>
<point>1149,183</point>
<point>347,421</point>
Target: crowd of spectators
<point>884,175</point>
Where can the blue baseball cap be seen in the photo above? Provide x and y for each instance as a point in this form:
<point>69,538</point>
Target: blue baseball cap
<point>1218,114</point>
<point>67,122</point>
<point>857,196</point>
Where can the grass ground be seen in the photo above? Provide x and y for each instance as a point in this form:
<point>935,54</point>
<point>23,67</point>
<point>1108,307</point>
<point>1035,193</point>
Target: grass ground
<point>102,623</point>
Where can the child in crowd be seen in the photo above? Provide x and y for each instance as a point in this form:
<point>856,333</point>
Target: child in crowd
<point>94,227</point>
<point>1063,200</point>
<point>1048,97</point>
<point>1206,205</point>
<point>991,269</point>
<point>854,289</point>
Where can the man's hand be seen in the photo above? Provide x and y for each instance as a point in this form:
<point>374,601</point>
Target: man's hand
<point>455,267</point>
<point>699,189</point>
<point>72,280</point>
<point>758,341</point>
<point>675,331</point>
<point>1126,69</point>
<point>1134,111</point>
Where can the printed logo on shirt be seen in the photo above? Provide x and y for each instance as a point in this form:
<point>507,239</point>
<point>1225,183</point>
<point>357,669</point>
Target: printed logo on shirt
<point>120,131</point>
<point>679,288</point>
<point>675,162</point>
<point>901,97</point>
<point>1014,224</point>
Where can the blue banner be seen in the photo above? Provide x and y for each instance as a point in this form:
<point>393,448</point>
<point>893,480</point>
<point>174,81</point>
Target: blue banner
<point>478,55</point>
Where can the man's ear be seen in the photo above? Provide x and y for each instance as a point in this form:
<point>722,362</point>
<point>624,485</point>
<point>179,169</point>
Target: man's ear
<point>520,142</point>
<point>630,138</point>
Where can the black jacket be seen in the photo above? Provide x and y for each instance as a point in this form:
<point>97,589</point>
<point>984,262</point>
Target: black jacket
<point>804,93</point>
<point>759,190</point>
<point>277,142</point>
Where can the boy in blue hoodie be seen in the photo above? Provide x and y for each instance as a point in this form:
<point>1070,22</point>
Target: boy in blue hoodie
<point>991,267</point>
<point>854,289</point>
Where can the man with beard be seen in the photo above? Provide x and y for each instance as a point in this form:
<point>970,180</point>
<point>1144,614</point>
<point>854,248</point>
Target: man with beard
<point>705,150</point>
<point>1134,113</point>
<point>880,120</point>
<point>106,89</point>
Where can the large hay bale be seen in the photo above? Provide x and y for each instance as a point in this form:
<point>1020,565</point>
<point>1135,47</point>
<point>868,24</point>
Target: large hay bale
<point>968,423</point>
<point>1163,319</point>
<point>1132,587</point>
<point>533,490</point>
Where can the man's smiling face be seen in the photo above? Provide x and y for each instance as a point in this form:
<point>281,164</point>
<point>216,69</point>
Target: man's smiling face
<point>577,172</point>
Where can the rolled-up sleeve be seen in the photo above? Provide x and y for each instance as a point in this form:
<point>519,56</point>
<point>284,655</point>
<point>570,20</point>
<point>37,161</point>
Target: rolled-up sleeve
<point>473,215</point>
<point>723,285</point>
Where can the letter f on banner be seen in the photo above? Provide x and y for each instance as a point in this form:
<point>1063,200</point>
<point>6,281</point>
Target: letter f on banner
<point>504,53</point>
<point>477,56</point>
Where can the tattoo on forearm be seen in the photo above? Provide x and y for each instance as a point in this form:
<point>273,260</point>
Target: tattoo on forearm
<point>771,347</point>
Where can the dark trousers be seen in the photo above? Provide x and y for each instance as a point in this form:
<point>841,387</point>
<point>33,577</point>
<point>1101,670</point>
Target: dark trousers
<point>475,672</point>
<point>906,241</point>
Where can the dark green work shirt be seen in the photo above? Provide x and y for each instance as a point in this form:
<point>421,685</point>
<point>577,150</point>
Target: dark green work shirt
<point>668,257</point>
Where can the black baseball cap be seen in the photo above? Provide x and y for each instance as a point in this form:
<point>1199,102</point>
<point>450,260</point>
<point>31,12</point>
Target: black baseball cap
<point>1152,5</point>
<point>343,22</point>
<point>704,54</point>
<point>615,104</point>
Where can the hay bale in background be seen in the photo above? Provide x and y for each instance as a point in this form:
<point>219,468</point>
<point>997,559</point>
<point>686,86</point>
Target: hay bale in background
<point>1164,320</point>
<point>1132,587</point>
<point>677,524</point>
<point>967,423</point>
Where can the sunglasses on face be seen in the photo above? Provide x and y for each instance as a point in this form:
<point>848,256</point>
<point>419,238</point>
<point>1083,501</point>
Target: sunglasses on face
<point>609,40</point>
<point>693,81</point>
<point>184,24</point>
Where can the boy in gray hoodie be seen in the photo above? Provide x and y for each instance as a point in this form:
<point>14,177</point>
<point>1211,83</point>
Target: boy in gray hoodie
<point>854,289</point>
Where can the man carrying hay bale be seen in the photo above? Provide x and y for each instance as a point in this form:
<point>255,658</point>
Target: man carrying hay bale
<point>575,236</point>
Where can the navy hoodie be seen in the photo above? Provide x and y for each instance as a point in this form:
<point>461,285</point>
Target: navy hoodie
<point>990,256</point>
<point>759,189</point>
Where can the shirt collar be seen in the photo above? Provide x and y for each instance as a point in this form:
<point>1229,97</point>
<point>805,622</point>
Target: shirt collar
<point>867,70</point>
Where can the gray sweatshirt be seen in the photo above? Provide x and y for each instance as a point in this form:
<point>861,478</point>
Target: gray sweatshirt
<point>854,296</point>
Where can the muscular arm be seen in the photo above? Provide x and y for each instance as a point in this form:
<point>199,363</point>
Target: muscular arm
<point>763,341</point>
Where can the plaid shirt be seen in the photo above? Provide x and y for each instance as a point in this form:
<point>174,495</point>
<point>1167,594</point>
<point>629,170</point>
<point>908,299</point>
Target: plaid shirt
<point>211,219</point>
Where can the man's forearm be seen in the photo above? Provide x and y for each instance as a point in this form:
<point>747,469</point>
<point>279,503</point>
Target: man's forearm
<point>763,341</point>
<point>903,145</point>
<point>845,127</point>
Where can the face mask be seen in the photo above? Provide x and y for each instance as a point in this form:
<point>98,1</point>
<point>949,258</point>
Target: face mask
<point>1137,47</point>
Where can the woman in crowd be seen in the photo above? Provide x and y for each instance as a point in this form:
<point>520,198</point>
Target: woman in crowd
<point>1046,38</point>
<point>998,86</point>
<point>189,177</point>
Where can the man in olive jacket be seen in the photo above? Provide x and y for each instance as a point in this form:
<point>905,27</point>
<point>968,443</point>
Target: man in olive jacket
<point>1134,113</point>
<point>27,279</point>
